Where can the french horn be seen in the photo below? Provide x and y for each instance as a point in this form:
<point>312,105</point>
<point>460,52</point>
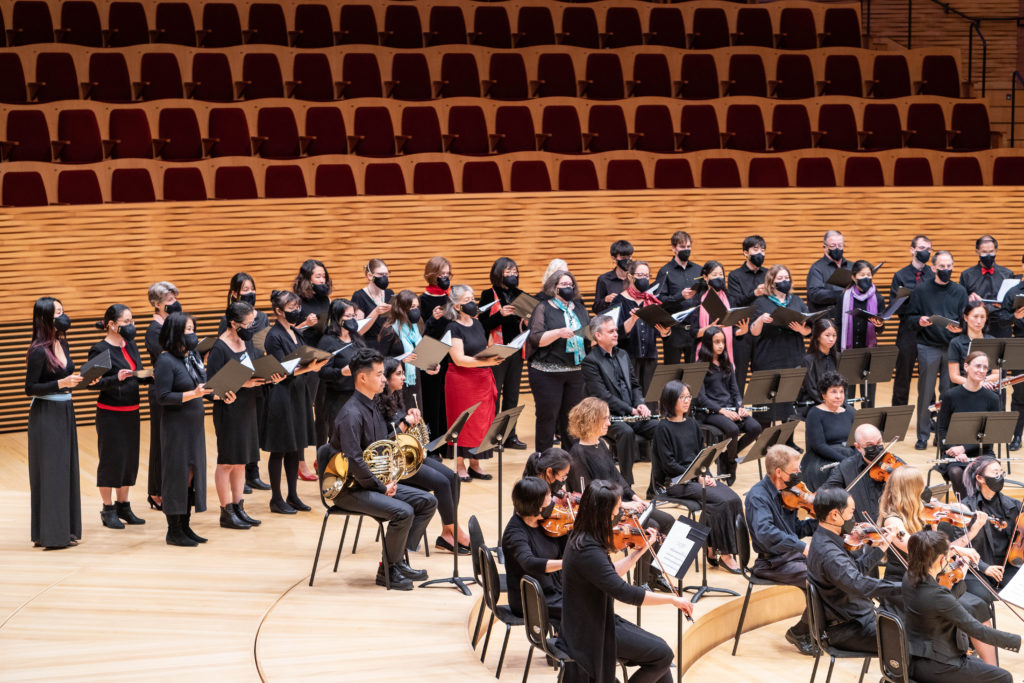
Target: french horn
<point>390,460</point>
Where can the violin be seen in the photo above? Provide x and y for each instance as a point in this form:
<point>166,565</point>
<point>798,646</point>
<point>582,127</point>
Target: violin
<point>630,536</point>
<point>798,497</point>
<point>560,522</point>
<point>1015,553</point>
<point>953,573</point>
<point>885,466</point>
<point>866,534</point>
<point>955,514</point>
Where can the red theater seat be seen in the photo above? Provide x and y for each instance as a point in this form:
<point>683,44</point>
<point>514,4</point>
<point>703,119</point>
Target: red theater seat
<point>23,188</point>
<point>312,26</point>
<point>221,25</point>
<point>746,76</point>
<point>325,128</point>
<point>745,126</point>
<point>108,78</point>
<point>534,26</point>
<point>604,80</point>
<point>1008,170</point>
<point>700,77</point>
<point>912,172</point>
<point>267,24</point>
<point>211,74</point>
<point>481,176</point>
<point>432,177</point>
<point>577,175</point>
<point>754,27</point>
<point>607,125</point>
<point>815,172</point>
<point>962,170</point>
<point>926,124</point>
<point>410,77</point>
<point>313,78</point>
<point>797,30</point>
<point>842,28</point>
<point>80,132</point>
<point>579,27</point>
<point>710,29</point>
<point>561,124</point>
<point>794,77</point>
<point>234,182</point>
<point>882,127</point>
<point>791,126</point>
<point>447,26</point>
<point>651,76</point>
<point>863,171</point>
<point>56,77</point>
<point>467,128</point>
<point>229,133</point>
<point>719,173</point>
<point>130,134</point>
<point>28,136</point>
<point>622,27</point>
<point>131,185</point>
<point>491,27</point>
<point>174,24</point>
<point>529,176</point>
<point>127,24</point>
<point>80,24</point>
<point>334,180</point>
<point>358,25</point>
<point>78,187</point>
<point>890,78</point>
<point>261,76</point>
<point>670,174</point>
<point>284,182</point>
<point>459,76</point>
<point>374,132</point>
<point>13,88</point>
<point>699,128</point>
<point>838,127</point>
<point>402,27</point>
<point>31,23</point>
<point>179,133</point>
<point>843,76</point>
<point>360,75</point>
<point>556,76</point>
<point>666,27</point>
<point>383,179</point>
<point>280,132</point>
<point>161,76</point>
<point>626,174</point>
<point>767,172</point>
<point>970,125</point>
<point>653,123</point>
<point>184,184</point>
<point>515,130</point>
<point>422,129</point>
<point>940,76</point>
<point>507,74</point>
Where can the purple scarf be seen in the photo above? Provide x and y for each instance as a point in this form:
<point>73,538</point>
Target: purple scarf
<point>851,293</point>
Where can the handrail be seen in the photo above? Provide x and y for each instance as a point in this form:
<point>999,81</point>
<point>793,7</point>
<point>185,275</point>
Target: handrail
<point>976,28</point>
<point>1013,103</point>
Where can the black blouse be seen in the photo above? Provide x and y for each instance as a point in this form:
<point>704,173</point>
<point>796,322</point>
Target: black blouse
<point>331,372</point>
<point>818,365</point>
<point>153,347</point>
<point>511,325</point>
<point>40,379</point>
<point>527,551</point>
<point>960,399</point>
<point>433,327</point>
<point>548,317</point>
<point>777,347</point>
<point>594,462</point>
<point>318,306</point>
<point>676,444</point>
<point>720,390</point>
<point>365,304</point>
<point>642,340</point>
<point>113,392</point>
<point>474,339</point>
<point>959,348</point>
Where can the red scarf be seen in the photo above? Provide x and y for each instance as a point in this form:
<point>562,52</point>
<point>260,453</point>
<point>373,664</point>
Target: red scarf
<point>644,298</point>
<point>434,290</point>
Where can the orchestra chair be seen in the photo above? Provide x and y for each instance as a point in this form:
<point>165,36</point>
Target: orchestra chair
<point>893,655</point>
<point>816,608</point>
<point>492,592</point>
<point>476,541</point>
<point>743,558</point>
<point>940,490</point>
<point>538,627</point>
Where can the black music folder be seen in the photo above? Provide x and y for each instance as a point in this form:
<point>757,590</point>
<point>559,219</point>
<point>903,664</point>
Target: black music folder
<point>725,316</point>
<point>231,377</point>
<point>266,365</point>
<point>95,368</point>
<point>782,316</point>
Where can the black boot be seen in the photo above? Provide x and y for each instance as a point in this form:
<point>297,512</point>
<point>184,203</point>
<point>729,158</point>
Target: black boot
<point>230,520</point>
<point>188,530</point>
<point>109,516</point>
<point>244,516</point>
<point>124,511</point>
<point>175,534</point>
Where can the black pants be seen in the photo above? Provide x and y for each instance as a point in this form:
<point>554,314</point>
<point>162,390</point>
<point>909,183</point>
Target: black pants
<point>857,635</point>
<point>906,356</point>
<point>721,505</point>
<point>434,476</point>
<point>1017,403</point>
<point>742,349</point>
<point>554,395</point>
<point>790,569</point>
<point>967,669</point>
<point>750,429</point>
<point>636,647</point>
<point>680,351</point>
<point>507,378</point>
<point>643,370</point>
<point>623,436</point>
<point>407,512</point>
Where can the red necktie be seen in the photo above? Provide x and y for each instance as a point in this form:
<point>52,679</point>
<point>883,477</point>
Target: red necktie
<point>917,276</point>
<point>988,271</point>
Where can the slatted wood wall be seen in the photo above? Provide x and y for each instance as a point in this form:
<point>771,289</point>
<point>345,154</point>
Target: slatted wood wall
<point>92,256</point>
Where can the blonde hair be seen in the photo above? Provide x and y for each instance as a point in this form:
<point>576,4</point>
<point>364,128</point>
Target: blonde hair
<point>901,498</point>
<point>586,417</point>
<point>555,264</point>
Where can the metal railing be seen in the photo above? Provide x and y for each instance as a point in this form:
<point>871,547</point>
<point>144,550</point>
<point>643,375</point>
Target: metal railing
<point>1013,104</point>
<point>976,28</point>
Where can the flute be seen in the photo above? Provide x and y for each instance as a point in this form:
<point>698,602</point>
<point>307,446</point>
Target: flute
<point>634,418</point>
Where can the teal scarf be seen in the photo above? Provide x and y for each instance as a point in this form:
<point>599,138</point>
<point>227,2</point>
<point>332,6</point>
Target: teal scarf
<point>410,336</point>
<point>573,344</point>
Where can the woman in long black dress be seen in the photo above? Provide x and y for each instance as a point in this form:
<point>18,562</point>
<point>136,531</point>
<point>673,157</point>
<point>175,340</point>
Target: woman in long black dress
<point>399,335</point>
<point>341,336</point>
<point>821,359</point>
<point>117,416</point>
<point>594,635</point>
<point>828,427</point>
<point>313,285</point>
<point>56,501</point>
<point>236,423</point>
<point>163,297</point>
<point>179,382</point>
<point>289,426</point>
<point>503,325</point>
<point>374,300</point>
<point>438,274</point>
<point>677,442</point>
<point>528,550</point>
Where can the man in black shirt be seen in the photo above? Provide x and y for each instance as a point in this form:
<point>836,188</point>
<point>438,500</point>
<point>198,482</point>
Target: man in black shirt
<point>982,282</point>
<point>906,336</point>
<point>842,579</point>
<point>866,492</point>
<point>676,290</point>
<point>614,281</point>
<point>939,296</point>
<point>606,372</point>
<point>407,509</point>
<point>746,283</point>
<point>1017,320</point>
<point>820,295</point>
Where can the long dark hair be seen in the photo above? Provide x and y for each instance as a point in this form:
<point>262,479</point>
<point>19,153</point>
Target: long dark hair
<point>975,470</point>
<point>172,334</point>
<point>44,332</point>
<point>819,328</point>
<point>235,286</point>
<point>303,285</point>
<point>538,463</point>
<point>707,350</point>
<point>279,298</point>
<point>922,549</point>
<point>401,304</point>
<point>670,396</point>
<point>390,402</point>
<point>498,271</point>
<point>335,311</point>
<point>594,517</point>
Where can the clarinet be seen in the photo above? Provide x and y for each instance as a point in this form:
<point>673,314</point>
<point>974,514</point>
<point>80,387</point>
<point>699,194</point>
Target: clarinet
<point>634,418</point>
<point>749,409</point>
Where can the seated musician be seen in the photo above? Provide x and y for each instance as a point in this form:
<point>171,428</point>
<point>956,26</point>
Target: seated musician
<point>969,397</point>
<point>408,510</point>
<point>828,426</point>
<point>936,622</point>
<point>552,466</point>
<point>591,459</point>
<point>845,580</point>
<point>984,481</point>
<point>529,550</point>
<point>775,533</point>
<point>676,443</point>
<point>607,374</point>
<point>867,491</point>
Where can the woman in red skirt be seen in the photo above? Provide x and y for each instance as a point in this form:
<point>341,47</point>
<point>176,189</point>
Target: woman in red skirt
<point>468,379</point>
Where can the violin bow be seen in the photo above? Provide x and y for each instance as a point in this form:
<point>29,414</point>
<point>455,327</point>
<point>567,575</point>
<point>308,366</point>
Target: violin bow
<point>664,572</point>
<point>895,550</point>
<point>871,464</point>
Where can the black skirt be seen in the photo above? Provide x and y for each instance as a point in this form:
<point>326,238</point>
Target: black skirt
<point>288,426</point>
<point>117,443</point>
<point>154,476</point>
<point>721,509</point>
<point>237,427</point>
<point>56,498</point>
<point>183,446</point>
<point>433,407</point>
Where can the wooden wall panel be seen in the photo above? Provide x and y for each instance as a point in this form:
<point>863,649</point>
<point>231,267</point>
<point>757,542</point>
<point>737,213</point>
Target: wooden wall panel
<point>92,256</point>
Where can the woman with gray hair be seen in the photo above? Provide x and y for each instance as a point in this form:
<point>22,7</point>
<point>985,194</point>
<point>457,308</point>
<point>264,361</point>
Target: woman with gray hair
<point>163,297</point>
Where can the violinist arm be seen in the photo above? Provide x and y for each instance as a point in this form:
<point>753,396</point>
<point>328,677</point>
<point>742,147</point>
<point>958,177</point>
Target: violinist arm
<point>516,544</point>
<point>948,608</point>
<point>626,563</point>
<point>898,529</point>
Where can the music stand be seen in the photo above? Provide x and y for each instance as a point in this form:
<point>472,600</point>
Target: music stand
<point>504,423</point>
<point>868,366</point>
<point>892,422</point>
<point>688,373</point>
<point>1002,354</point>
<point>780,433</point>
<point>772,387</point>
<point>452,437</point>
<point>980,428</point>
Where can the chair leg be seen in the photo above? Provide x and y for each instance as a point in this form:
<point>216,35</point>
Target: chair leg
<point>814,671</point>
<point>385,559</point>
<point>426,546</point>
<point>341,545</point>
<point>479,619</point>
<point>743,616</point>
<point>359,527</point>
<point>625,672</point>
<point>487,638</point>
<point>526,669</point>
<point>831,665</point>
<point>561,672</point>
<point>864,669</point>
<point>504,646</point>
<point>319,544</point>
<point>344,529</point>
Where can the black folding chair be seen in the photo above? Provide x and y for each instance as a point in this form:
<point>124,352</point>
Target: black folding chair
<point>818,624</point>
<point>489,574</point>
<point>743,558</point>
<point>538,627</point>
<point>893,655</point>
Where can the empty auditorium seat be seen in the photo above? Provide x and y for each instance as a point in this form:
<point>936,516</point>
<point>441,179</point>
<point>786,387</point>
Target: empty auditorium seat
<point>719,173</point>
<point>710,29</point>
<point>653,125</point>
<point>261,76</point>
<point>491,27</point>
<point>556,76</point>
<point>579,27</point>
<point>794,77</point>
<point>767,172</point>
<point>56,77</point>
<point>926,126</point>
<point>402,27</point>
<point>127,24</point>
<point>514,128</point>
<point>221,25</point>
<point>184,184</point>
<point>841,29</point>
<point>882,127</point>
<point>745,127</point>
<point>267,24</point>
<point>815,172</point>
<point>838,127</point>
<point>410,77</point>
<point>13,88</point>
<point>130,134</point>
<point>80,23</point>
<point>970,126</point>
<point>234,182</point>
<point>383,179</point>
<point>625,174</point>
<point>890,77</point>
<point>673,174</point>
<point>174,24</point>
<point>312,26</point>
<point>666,27</point>
<point>746,76</point>
<point>912,172</point>
<point>842,76</point>
<point>529,176</point>
<point>447,26</point>
<point>161,76</point>
<point>78,187</point>
<point>28,136</point>
<point>432,177</point>
<point>561,124</point>
<point>334,180</point>
<point>23,188</point>
<point>577,175</point>
<point>374,132</point>
<point>31,23</point>
<point>796,29</point>
<point>699,78</point>
<point>651,76</point>
<point>622,27</point>
<point>229,133</point>
<point>534,26</point>
<point>1008,170</point>
<point>699,128</point>
<point>284,182</point>
<point>178,130</point>
<point>325,129</point>
<point>108,78</point>
<point>79,130</point>
<point>467,129</point>
<point>940,76</point>
<point>131,185</point>
<point>211,74</point>
<point>358,26</point>
<point>863,171</point>
<point>280,132</point>
<point>507,78</point>
<point>481,176</point>
<point>360,75</point>
<point>961,170</point>
<point>459,76</point>
<point>604,80</point>
<point>791,128</point>
<point>753,27</point>
<point>313,78</point>
<point>422,129</point>
<point>607,126</point>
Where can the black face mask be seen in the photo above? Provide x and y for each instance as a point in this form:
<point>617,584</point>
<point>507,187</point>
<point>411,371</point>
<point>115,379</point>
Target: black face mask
<point>350,324</point>
<point>546,511</point>
<point>757,259</point>
<point>444,282</point>
<point>470,309</point>
<point>872,452</point>
<point>683,255</point>
<point>848,525</point>
<point>793,479</point>
<point>944,275</point>
<point>717,283</point>
<point>863,283</point>
<point>836,254</point>
<point>320,290</point>
<point>987,260</point>
<point>565,293</point>
<point>784,286</point>
<point>510,281</point>
<point>556,486</point>
<point>62,322</point>
<point>295,316</point>
<point>922,255</point>
<point>248,298</point>
<point>127,332</point>
<point>244,333</point>
<point>381,281</point>
<point>173,308</point>
<point>414,315</point>
<point>642,283</point>
<point>994,483</point>
<point>623,264</point>
<point>191,341</point>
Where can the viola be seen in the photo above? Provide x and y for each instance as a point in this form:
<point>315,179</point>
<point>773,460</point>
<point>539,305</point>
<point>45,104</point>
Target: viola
<point>886,465</point>
<point>798,497</point>
<point>953,573</point>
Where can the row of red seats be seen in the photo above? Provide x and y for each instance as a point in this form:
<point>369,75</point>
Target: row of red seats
<point>190,133</point>
<point>794,26</point>
<point>125,76</point>
<point>29,185</point>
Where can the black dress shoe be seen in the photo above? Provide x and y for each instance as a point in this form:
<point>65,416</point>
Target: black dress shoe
<point>465,478</point>
<point>398,582</point>
<point>658,583</point>
<point>473,474</point>
<point>246,489</point>
<point>1015,444</point>
<point>244,516</point>
<point>153,505</point>
<point>921,445</point>
<point>124,511</point>
<point>282,508</point>
<point>230,520</point>
<point>514,442</point>
<point>410,573</point>
<point>298,504</point>
<point>109,517</point>
<point>723,565</point>
<point>442,544</point>
<point>802,643</point>
<point>258,484</point>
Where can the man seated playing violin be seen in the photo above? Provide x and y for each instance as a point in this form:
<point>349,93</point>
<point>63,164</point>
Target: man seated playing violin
<point>775,533</point>
<point>842,578</point>
<point>868,490</point>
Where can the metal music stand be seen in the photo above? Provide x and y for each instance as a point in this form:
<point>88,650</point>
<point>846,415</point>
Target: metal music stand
<point>504,423</point>
<point>1002,354</point>
<point>452,437</point>
<point>892,422</point>
<point>772,387</point>
<point>776,434</point>
<point>687,373</point>
<point>868,366</point>
<point>980,428</point>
